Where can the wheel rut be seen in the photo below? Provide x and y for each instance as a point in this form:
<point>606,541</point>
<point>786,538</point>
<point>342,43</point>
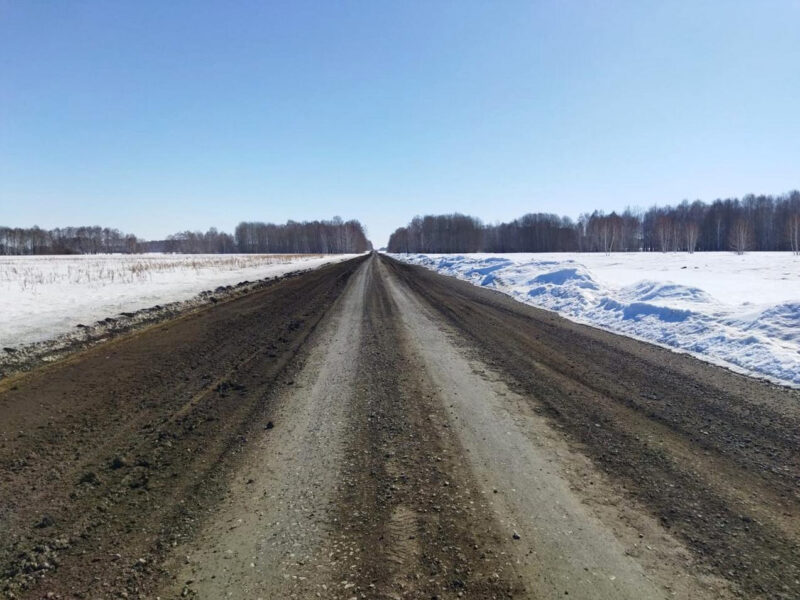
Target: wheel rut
<point>415,520</point>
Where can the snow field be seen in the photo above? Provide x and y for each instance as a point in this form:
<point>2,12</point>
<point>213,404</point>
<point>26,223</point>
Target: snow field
<point>740,311</point>
<point>42,297</point>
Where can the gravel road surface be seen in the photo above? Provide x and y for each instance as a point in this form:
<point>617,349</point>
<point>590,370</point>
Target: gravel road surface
<point>375,430</point>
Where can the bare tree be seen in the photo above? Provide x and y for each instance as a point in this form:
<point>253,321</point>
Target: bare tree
<point>740,237</point>
<point>692,232</point>
<point>664,231</point>
<point>793,230</point>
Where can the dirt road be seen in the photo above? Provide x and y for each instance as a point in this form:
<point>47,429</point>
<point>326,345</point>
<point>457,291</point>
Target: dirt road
<point>375,430</point>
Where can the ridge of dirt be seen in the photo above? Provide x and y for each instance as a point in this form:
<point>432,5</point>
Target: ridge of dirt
<point>21,359</point>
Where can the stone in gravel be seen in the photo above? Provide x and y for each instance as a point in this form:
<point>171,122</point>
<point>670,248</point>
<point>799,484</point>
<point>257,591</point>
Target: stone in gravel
<point>89,477</point>
<point>118,462</point>
<point>45,521</point>
<point>137,479</point>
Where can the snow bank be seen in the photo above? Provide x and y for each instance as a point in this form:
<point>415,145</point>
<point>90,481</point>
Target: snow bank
<point>742,312</point>
<point>42,297</point>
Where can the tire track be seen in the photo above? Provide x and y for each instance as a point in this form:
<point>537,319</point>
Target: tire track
<point>415,520</point>
<point>274,536</point>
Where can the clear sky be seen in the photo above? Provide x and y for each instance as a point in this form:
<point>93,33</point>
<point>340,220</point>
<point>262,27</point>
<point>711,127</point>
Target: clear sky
<point>155,117</point>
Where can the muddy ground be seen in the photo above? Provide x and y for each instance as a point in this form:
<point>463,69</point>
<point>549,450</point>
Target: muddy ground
<point>375,430</point>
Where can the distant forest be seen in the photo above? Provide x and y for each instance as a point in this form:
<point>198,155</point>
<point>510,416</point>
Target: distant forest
<point>738,225</point>
<point>314,237</point>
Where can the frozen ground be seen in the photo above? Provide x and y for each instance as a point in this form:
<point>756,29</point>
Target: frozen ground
<point>739,311</point>
<point>42,297</point>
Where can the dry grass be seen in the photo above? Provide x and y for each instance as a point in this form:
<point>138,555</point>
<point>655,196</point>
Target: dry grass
<point>30,272</point>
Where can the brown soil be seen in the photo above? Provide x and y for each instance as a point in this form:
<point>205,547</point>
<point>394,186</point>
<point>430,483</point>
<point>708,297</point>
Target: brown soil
<point>375,430</point>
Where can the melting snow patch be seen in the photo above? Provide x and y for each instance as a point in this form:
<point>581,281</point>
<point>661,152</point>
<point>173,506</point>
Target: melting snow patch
<point>739,311</point>
<point>43,297</point>
<point>569,276</point>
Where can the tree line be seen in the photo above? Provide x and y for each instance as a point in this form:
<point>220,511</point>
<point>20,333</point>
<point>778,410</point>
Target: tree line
<point>309,237</point>
<point>66,240</point>
<point>317,237</point>
<point>762,223</point>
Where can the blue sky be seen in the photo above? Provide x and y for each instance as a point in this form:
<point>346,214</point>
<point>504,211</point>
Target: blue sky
<point>155,117</point>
